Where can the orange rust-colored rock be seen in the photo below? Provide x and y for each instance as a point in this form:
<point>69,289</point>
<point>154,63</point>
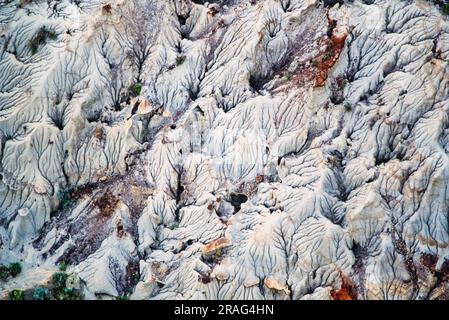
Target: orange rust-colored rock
<point>346,292</point>
<point>342,294</point>
<point>326,60</point>
<point>220,243</point>
<point>259,179</point>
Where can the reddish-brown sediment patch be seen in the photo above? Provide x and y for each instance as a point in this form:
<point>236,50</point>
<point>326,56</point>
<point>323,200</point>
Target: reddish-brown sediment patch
<point>428,264</point>
<point>93,224</point>
<point>106,9</point>
<point>429,261</point>
<point>106,203</point>
<point>346,292</point>
<point>327,59</point>
<point>314,72</point>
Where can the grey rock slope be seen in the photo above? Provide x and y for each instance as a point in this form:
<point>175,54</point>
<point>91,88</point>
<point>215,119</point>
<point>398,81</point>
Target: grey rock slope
<point>277,149</point>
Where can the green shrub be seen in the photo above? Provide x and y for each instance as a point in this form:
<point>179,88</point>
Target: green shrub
<point>67,294</point>
<point>180,60</point>
<point>124,297</point>
<point>174,226</point>
<point>64,199</point>
<point>218,254</point>
<point>445,8</point>
<point>14,269</point>
<point>329,54</point>
<point>4,272</point>
<point>41,294</point>
<point>60,290</point>
<point>347,106</point>
<point>16,295</point>
<point>63,266</point>
<point>288,76</point>
<point>59,279</point>
<point>75,295</point>
<point>137,88</point>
